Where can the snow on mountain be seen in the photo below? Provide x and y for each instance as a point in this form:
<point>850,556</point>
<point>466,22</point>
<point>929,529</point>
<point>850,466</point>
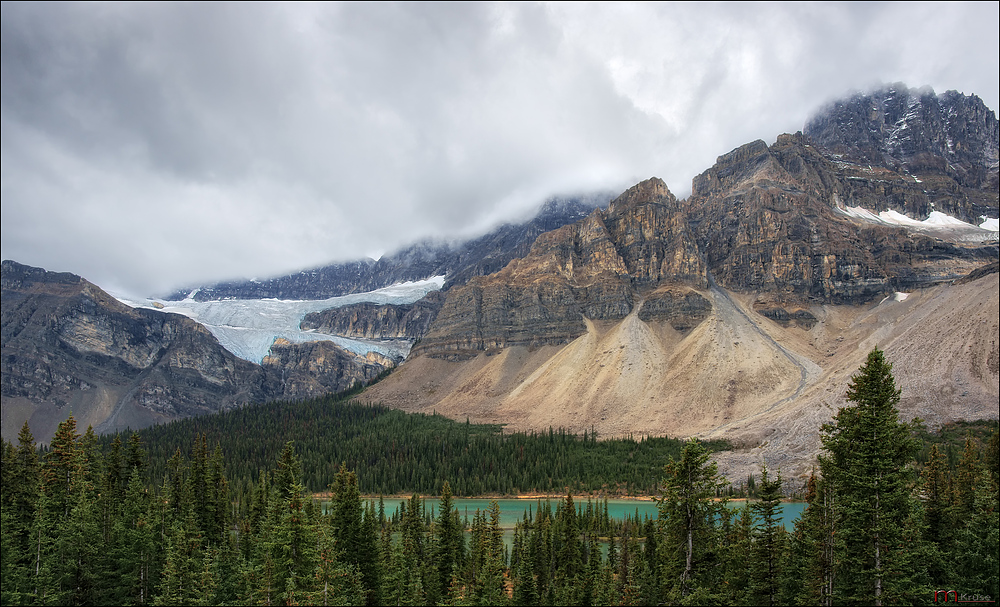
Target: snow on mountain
<point>935,222</point>
<point>248,327</point>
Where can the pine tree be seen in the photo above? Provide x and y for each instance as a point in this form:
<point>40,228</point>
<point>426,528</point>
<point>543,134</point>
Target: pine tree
<point>978,544</point>
<point>355,547</point>
<point>21,484</point>
<point>63,467</point>
<point>293,547</point>
<point>809,573</point>
<point>19,500</point>
<point>135,533</point>
<point>868,456</point>
<point>768,542</point>
<point>450,541</point>
<point>688,512</point>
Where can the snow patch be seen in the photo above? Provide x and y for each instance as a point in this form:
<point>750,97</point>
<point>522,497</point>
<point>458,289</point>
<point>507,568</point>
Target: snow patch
<point>941,219</point>
<point>900,296</point>
<point>993,225</point>
<point>936,221</point>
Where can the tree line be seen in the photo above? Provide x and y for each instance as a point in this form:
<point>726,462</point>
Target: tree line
<point>84,524</point>
<point>396,453</point>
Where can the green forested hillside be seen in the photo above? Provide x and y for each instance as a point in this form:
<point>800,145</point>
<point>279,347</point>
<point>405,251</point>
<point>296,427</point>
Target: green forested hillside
<point>395,452</point>
<point>114,523</point>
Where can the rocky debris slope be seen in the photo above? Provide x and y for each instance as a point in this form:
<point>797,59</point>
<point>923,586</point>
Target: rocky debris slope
<point>943,343</point>
<point>736,375</point>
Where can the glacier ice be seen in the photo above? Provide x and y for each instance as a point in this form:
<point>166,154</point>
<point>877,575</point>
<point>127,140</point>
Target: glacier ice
<point>248,327</point>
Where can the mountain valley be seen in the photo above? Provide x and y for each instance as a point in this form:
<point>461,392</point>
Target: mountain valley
<point>740,312</point>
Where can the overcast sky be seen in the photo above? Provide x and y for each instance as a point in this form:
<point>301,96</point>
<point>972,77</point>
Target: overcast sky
<point>153,146</point>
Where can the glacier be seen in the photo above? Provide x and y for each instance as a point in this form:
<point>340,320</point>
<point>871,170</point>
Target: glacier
<point>248,327</point>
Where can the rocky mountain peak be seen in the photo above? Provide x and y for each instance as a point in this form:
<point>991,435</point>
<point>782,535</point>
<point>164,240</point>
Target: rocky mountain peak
<point>736,170</point>
<point>650,191</point>
<point>16,276</point>
<point>914,131</point>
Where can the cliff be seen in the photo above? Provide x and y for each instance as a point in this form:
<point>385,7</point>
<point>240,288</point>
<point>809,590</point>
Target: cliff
<point>69,346</point>
<point>771,220</point>
<point>596,269</point>
<point>377,321</point>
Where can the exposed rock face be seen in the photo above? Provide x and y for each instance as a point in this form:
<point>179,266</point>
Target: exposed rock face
<point>767,219</point>
<point>649,230</point>
<point>377,321</point>
<point>683,308</point>
<point>459,262</point>
<point>69,346</point>
<point>594,268</point>
<point>314,369</point>
<point>948,141</point>
<point>715,315</point>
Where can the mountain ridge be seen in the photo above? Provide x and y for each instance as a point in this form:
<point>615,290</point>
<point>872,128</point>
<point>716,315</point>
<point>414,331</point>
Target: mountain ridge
<point>728,313</point>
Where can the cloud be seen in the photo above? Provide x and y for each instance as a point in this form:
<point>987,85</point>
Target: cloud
<point>150,146</point>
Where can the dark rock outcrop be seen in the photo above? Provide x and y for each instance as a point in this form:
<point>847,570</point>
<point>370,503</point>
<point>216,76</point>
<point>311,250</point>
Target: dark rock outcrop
<point>947,141</point>
<point>684,308</point>
<point>314,369</point>
<point>377,321</point>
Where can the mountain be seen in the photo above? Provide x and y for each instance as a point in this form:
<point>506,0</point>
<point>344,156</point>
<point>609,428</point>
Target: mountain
<point>951,138</point>
<point>69,346</point>
<point>459,262</point>
<point>587,270</point>
<point>742,311</point>
<point>774,219</point>
<point>738,313</point>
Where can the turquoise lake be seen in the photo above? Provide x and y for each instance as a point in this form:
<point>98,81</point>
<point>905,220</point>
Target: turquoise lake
<point>513,510</point>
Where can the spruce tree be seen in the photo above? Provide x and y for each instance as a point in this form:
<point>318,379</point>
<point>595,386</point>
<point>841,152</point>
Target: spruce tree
<point>688,513</point>
<point>450,541</point>
<point>868,455</point>
<point>768,542</point>
<point>355,546</point>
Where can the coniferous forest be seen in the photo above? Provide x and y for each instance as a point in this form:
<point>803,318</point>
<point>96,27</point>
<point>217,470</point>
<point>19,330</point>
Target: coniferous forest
<point>222,511</point>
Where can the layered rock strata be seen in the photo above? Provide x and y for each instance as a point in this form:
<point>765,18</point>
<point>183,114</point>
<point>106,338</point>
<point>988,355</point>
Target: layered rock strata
<point>769,220</point>
<point>377,321</point>
<point>593,269</point>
